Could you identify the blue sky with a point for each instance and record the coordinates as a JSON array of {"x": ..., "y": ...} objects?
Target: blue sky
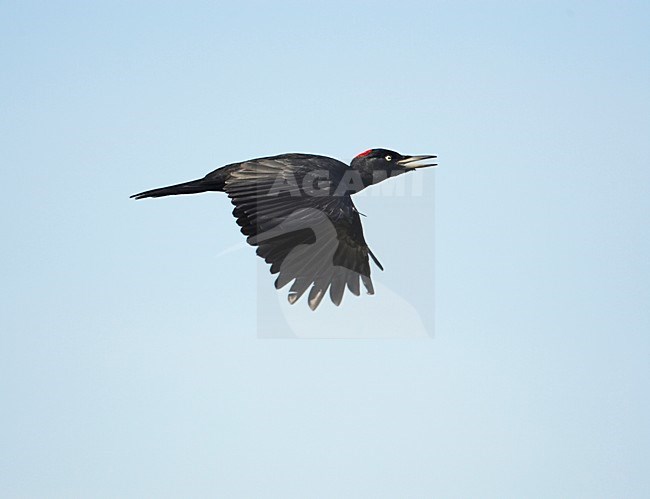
[{"x": 130, "y": 357}]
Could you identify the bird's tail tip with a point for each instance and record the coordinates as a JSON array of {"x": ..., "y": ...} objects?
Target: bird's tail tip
[{"x": 193, "y": 187}]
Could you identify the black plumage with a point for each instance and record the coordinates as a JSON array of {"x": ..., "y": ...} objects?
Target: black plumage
[{"x": 297, "y": 209}]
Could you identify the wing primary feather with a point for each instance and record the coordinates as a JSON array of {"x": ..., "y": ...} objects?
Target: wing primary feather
[
  {"x": 368, "y": 284},
  {"x": 298, "y": 288},
  {"x": 337, "y": 287},
  {"x": 315, "y": 297},
  {"x": 318, "y": 291},
  {"x": 353, "y": 283}
]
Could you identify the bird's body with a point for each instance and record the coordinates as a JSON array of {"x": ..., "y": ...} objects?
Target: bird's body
[{"x": 296, "y": 208}]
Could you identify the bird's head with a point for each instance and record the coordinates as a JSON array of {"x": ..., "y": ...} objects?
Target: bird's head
[{"x": 375, "y": 165}]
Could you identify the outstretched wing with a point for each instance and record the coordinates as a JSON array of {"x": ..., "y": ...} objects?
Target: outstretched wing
[{"x": 287, "y": 208}]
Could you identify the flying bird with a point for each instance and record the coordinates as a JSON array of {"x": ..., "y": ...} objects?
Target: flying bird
[{"x": 297, "y": 209}]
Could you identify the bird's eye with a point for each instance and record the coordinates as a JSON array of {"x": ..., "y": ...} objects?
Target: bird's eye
[{"x": 388, "y": 158}]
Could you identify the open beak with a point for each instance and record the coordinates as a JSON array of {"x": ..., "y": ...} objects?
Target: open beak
[{"x": 413, "y": 162}]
